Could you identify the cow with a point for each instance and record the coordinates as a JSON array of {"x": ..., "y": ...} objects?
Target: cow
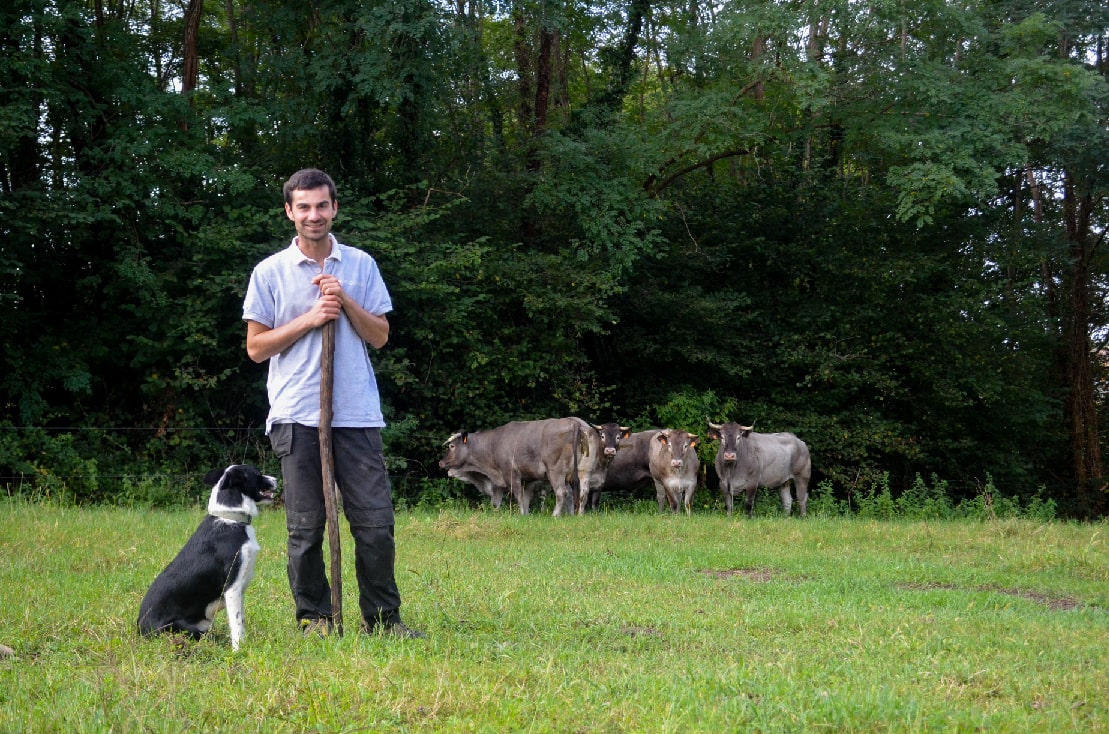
[
  {"x": 629, "y": 470},
  {"x": 747, "y": 460},
  {"x": 612, "y": 436},
  {"x": 672, "y": 460},
  {"x": 492, "y": 487},
  {"x": 563, "y": 451}
]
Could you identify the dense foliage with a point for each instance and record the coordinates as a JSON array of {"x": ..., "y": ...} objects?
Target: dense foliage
[{"x": 879, "y": 225}]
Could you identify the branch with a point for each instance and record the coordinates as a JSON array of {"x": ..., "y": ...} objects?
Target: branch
[{"x": 654, "y": 189}]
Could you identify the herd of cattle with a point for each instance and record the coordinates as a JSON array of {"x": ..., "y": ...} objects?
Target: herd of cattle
[{"x": 581, "y": 460}]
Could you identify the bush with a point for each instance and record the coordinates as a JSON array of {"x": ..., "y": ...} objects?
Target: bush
[
  {"x": 48, "y": 467},
  {"x": 823, "y": 502},
  {"x": 922, "y": 502},
  {"x": 876, "y": 502}
]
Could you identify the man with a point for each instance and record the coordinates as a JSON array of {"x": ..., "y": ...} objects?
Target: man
[{"x": 291, "y": 295}]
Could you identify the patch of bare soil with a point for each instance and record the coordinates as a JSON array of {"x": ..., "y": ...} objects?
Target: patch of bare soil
[
  {"x": 1058, "y": 603},
  {"x": 760, "y": 575},
  {"x": 641, "y": 632}
]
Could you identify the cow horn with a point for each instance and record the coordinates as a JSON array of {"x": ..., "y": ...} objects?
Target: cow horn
[
  {"x": 714, "y": 426},
  {"x": 454, "y": 437},
  {"x": 747, "y": 428}
]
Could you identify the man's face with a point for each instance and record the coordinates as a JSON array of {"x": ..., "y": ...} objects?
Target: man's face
[{"x": 312, "y": 211}]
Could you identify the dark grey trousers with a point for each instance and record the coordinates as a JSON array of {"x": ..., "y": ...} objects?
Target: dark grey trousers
[{"x": 367, "y": 498}]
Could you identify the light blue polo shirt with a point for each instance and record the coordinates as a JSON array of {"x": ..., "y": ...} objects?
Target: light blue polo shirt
[{"x": 280, "y": 290}]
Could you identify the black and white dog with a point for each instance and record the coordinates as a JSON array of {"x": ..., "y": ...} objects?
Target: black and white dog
[{"x": 213, "y": 569}]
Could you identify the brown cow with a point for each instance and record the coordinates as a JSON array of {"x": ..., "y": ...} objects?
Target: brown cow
[
  {"x": 672, "y": 458},
  {"x": 563, "y": 451}
]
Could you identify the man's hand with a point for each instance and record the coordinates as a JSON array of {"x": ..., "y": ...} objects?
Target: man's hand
[
  {"x": 331, "y": 300},
  {"x": 329, "y": 286},
  {"x": 371, "y": 328}
]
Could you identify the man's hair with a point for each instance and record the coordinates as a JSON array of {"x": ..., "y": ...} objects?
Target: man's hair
[{"x": 307, "y": 179}]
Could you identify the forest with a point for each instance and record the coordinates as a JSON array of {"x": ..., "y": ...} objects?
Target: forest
[{"x": 879, "y": 225}]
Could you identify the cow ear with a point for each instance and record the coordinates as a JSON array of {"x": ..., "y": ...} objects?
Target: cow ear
[
  {"x": 465, "y": 436},
  {"x": 694, "y": 441},
  {"x": 625, "y": 433}
]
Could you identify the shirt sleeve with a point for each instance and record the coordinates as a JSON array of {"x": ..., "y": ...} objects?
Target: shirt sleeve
[
  {"x": 376, "y": 300},
  {"x": 259, "y": 302}
]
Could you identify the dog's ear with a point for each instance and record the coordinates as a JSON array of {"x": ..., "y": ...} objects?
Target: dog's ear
[{"x": 212, "y": 477}]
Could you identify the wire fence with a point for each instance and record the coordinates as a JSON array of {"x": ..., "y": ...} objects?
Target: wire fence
[{"x": 248, "y": 445}]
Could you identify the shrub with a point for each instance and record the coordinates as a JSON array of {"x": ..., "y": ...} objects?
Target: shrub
[
  {"x": 823, "y": 501},
  {"x": 922, "y": 502},
  {"x": 876, "y": 502}
]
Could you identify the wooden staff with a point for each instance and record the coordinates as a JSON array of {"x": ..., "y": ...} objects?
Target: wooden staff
[{"x": 327, "y": 462}]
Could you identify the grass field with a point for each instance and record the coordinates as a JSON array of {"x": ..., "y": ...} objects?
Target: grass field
[{"x": 618, "y": 622}]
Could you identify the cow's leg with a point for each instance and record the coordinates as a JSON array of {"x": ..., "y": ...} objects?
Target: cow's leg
[
  {"x": 751, "y": 501},
  {"x": 660, "y": 495},
  {"x": 521, "y": 493},
  {"x": 802, "y": 488},
  {"x": 564, "y": 499},
  {"x": 674, "y": 496},
  {"x": 787, "y": 501},
  {"x": 726, "y": 490},
  {"x": 581, "y": 497},
  {"x": 689, "y": 498}
]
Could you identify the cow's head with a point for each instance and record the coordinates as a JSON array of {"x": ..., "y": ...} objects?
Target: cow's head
[
  {"x": 456, "y": 449},
  {"x": 611, "y": 435},
  {"x": 679, "y": 443},
  {"x": 729, "y": 435}
]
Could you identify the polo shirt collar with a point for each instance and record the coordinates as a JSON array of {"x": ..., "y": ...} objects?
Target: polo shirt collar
[{"x": 295, "y": 253}]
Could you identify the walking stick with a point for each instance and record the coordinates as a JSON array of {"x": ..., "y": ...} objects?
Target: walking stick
[{"x": 327, "y": 462}]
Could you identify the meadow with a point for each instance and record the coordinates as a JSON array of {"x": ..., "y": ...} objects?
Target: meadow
[{"x": 614, "y": 622}]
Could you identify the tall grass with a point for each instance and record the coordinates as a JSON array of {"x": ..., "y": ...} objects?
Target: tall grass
[{"x": 616, "y": 622}]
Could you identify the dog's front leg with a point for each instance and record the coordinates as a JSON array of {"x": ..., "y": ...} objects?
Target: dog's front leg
[{"x": 234, "y": 599}]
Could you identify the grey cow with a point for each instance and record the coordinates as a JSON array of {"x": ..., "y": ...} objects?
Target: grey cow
[
  {"x": 565, "y": 452},
  {"x": 612, "y": 437},
  {"x": 747, "y": 460},
  {"x": 672, "y": 458},
  {"x": 629, "y": 470}
]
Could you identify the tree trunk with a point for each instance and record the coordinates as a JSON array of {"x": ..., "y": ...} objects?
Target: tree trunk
[
  {"x": 190, "y": 73},
  {"x": 542, "y": 84},
  {"x": 1081, "y": 404}
]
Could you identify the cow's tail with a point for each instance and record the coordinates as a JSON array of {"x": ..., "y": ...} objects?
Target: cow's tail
[{"x": 575, "y": 479}]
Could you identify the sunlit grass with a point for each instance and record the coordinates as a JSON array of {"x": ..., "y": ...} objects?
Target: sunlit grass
[{"x": 617, "y": 622}]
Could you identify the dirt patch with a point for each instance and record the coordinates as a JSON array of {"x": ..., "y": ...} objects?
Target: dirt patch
[
  {"x": 1058, "y": 603},
  {"x": 641, "y": 632},
  {"x": 759, "y": 575}
]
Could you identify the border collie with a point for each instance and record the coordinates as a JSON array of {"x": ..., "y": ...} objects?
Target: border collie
[{"x": 213, "y": 569}]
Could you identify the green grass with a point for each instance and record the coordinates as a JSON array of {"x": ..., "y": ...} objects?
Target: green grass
[{"x": 619, "y": 622}]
